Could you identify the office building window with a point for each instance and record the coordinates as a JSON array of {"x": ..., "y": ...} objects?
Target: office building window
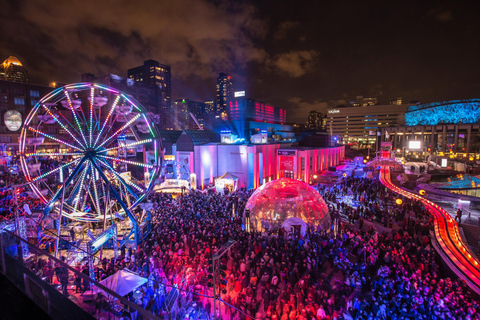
[
  {"x": 19, "y": 101},
  {"x": 34, "y": 94},
  {"x": 33, "y": 102},
  {"x": 18, "y": 90}
]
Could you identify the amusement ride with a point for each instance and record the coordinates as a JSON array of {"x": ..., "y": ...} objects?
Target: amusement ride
[{"x": 91, "y": 154}]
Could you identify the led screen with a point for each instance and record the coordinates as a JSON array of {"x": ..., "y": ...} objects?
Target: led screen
[{"x": 414, "y": 144}]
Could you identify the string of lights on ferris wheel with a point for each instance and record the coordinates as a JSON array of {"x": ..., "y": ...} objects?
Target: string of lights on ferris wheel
[{"x": 120, "y": 178}]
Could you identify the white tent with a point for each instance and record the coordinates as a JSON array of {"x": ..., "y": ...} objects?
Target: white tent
[
  {"x": 228, "y": 180},
  {"x": 122, "y": 282},
  {"x": 289, "y": 224}
]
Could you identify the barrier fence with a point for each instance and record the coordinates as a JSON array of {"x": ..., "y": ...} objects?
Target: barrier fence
[{"x": 48, "y": 290}]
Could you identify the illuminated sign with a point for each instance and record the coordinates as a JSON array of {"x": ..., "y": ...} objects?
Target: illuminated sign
[
  {"x": 287, "y": 163},
  {"x": 414, "y": 145},
  {"x": 169, "y": 157},
  {"x": 286, "y": 152},
  {"x": 444, "y": 163},
  {"x": 239, "y": 94},
  {"x": 334, "y": 111}
]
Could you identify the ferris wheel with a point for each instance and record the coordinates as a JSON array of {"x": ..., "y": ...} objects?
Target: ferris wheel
[{"x": 93, "y": 147}]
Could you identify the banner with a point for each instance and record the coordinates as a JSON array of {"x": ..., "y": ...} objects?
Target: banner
[
  {"x": 184, "y": 159},
  {"x": 287, "y": 163}
]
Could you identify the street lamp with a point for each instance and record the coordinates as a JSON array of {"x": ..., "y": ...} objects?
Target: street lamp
[{"x": 216, "y": 275}]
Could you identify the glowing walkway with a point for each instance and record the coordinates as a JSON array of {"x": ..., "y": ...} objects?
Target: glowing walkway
[{"x": 450, "y": 245}]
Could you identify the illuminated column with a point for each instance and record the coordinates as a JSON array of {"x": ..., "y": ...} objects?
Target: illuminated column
[
  {"x": 432, "y": 140},
  {"x": 455, "y": 139},
  {"x": 250, "y": 169},
  {"x": 469, "y": 134},
  {"x": 261, "y": 167},
  {"x": 307, "y": 168},
  {"x": 444, "y": 138}
]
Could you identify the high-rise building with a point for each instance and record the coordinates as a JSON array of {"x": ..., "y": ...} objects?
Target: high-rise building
[
  {"x": 12, "y": 70},
  {"x": 360, "y": 126},
  {"x": 145, "y": 94},
  {"x": 183, "y": 119},
  {"x": 316, "y": 120},
  {"x": 156, "y": 74},
  {"x": 361, "y": 101},
  {"x": 209, "y": 106},
  {"x": 397, "y": 101},
  {"x": 224, "y": 92}
]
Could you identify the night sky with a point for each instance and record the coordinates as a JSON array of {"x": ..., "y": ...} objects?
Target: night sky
[{"x": 299, "y": 55}]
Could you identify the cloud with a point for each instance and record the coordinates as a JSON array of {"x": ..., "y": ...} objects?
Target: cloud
[
  {"x": 284, "y": 28},
  {"x": 299, "y": 108},
  {"x": 196, "y": 38},
  {"x": 294, "y": 63},
  {"x": 444, "y": 16}
]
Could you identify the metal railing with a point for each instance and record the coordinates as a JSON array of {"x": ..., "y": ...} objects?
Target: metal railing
[{"x": 46, "y": 288}]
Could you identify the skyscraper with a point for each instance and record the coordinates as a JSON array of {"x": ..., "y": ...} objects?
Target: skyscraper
[
  {"x": 224, "y": 92},
  {"x": 12, "y": 70},
  {"x": 159, "y": 75},
  {"x": 316, "y": 120}
]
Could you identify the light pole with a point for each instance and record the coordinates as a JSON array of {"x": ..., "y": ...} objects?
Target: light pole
[
  {"x": 216, "y": 275},
  {"x": 60, "y": 220}
]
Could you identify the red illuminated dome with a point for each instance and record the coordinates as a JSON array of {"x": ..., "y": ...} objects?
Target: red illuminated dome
[{"x": 287, "y": 202}]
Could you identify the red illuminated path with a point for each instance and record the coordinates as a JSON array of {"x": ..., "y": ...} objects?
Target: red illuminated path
[{"x": 453, "y": 250}]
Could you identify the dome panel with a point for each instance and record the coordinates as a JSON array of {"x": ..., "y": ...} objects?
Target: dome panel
[{"x": 282, "y": 199}]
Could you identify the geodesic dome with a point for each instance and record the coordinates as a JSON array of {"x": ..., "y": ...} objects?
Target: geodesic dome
[{"x": 274, "y": 203}]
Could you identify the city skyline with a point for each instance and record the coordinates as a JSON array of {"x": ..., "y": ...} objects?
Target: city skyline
[{"x": 301, "y": 57}]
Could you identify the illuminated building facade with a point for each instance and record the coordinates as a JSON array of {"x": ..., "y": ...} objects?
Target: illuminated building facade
[
  {"x": 156, "y": 74},
  {"x": 446, "y": 128},
  {"x": 255, "y": 165},
  {"x": 248, "y": 117},
  {"x": 12, "y": 70},
  {"x": 224, "y": 92},
  {"x": 251, "y": 110},
  {"x": 360, "y": 125}
]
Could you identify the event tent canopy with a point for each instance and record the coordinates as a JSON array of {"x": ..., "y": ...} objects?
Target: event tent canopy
[
  {"x": 227, "y": 180},
  {"x": 122, "y": 282},
  {"x": 229, "y": 176}
]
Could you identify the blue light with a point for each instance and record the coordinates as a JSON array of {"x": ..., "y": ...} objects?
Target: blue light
[{"x": 454, "y": 111}]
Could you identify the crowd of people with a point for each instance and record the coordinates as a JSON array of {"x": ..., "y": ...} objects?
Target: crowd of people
[{"x": 362, "y": 273}]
